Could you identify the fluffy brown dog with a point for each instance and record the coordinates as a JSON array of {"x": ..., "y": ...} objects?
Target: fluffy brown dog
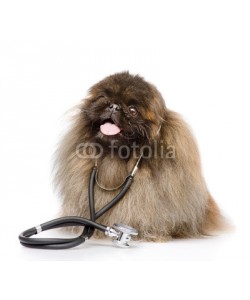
[{"x": 122, "y": 117}]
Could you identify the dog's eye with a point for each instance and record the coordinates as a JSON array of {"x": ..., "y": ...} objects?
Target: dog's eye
[
  {"x": 101, "y": 97},
  {"x": 133, "y": 111}
]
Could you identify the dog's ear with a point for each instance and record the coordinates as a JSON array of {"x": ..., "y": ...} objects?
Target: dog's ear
[{"x": 157, "y": 112}]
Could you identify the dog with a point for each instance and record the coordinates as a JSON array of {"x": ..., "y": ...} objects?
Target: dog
[{"x": 123, "y": 118}]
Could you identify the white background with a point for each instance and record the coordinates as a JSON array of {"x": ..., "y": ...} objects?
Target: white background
[{"x": 197, "y": 54}]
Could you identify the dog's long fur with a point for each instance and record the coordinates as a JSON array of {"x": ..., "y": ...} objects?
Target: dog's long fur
[{"x": 168, "y": 197}]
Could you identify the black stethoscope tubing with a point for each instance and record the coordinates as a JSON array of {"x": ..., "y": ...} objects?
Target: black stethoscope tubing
[{"x": 89, "y": 224}]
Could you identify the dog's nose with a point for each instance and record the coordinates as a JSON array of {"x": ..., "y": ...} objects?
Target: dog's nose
[{"x": 114, "y": 107}]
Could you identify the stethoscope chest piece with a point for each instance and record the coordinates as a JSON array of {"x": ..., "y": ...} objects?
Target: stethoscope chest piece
[{"x": 121, "y": 234}]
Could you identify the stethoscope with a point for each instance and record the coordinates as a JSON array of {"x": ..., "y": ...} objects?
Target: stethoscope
[{"x": 121, "y": 234}]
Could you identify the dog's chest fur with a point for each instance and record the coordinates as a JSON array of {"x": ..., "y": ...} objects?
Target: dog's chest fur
[{"x": 148, "y": 205}]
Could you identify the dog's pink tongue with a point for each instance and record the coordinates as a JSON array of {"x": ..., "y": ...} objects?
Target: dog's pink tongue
[{"x": 109, "y": 129}]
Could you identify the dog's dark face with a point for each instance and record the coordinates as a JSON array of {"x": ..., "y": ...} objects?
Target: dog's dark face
[{"x": 123, "y": 109}]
